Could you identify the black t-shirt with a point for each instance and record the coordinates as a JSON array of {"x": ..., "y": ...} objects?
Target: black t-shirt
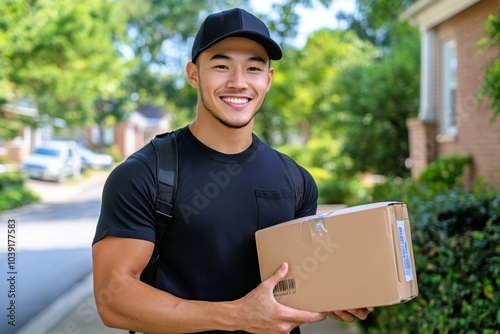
[{"x": 221, "y": 201}]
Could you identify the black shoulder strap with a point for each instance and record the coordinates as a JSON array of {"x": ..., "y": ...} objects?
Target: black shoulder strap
[
  {"x": 166, "y": 167},
  {"x": 165, "y": 146},
  {"x": 296, "y": 178}
]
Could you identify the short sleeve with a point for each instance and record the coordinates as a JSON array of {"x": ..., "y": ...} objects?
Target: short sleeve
[
  {"x": 128, "y": 200},
  {"x": 309, "y": 203}
]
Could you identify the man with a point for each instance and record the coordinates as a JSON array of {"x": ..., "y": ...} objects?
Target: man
[{"x": 230, "y": 184}]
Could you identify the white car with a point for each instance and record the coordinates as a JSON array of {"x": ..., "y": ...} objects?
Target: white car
[
  {"x": 93, "y": 160},
  {"x": 53, "y": 161}
]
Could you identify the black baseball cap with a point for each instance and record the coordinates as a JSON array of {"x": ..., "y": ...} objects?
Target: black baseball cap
[{"x": 234, "y": 23}]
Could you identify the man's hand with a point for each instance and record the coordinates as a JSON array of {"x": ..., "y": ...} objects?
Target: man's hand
[
  {"x": 263, "y": 314},
  {"x": 350, "y": 315}
]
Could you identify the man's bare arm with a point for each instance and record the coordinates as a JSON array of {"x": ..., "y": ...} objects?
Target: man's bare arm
[{"x": 123, "y": 301}]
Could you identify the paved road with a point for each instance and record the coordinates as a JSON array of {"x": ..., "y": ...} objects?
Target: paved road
[
  {"x": 52, "y": 248},
  {"x": 54, "y": 286}
]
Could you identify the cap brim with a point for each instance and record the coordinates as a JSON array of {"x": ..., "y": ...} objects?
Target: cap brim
[{"x": 273, "y": 49}]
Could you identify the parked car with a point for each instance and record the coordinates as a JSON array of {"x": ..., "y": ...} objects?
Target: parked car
[
  {"x": 53, "y": 161},
  {"x": 93, "y": 160}
]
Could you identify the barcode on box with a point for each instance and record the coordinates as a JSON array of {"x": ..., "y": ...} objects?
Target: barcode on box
[
  {"x": 285, "y": 287},
  {"x": 405, "y": 254}
]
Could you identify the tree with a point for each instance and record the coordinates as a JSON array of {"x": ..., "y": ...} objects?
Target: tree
[
  {"x": 71, "y": 57},
  {"x": 62, "y": 53},
  {"x": 10, "y": 122},
  {"x": 284, "y": 17},
  {"x": 379, "y": 96},
  {"x": 304, "y": 95},
  {"x": 375, "y": 20},
  {"x": 491, "y": 81}
]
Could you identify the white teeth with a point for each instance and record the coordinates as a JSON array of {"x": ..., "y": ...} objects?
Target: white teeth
[{"x": 235, "y": 100}]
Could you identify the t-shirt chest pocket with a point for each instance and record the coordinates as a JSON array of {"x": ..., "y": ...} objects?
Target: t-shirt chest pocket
[{"x": 274, "y": 206}]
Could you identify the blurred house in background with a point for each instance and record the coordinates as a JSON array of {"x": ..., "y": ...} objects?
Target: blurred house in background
[
  {"x": 140, "y": 128},
  {"x": 127, "y": 137},
  {"x": 451, "y": 118},
  {"x": 13, "y": 151}
]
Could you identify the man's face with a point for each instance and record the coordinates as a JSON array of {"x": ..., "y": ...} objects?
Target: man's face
[{"x": 233, "y": 77}]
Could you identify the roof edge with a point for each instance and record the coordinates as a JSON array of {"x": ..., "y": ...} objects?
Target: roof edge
[{"x": 429, "y": 13}]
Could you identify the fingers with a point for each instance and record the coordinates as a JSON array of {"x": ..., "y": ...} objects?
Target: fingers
[
  {"x": 299, "y": 316},
  {"x": 281, "y": 272},
  {"x": 290, "y": 314},
  {"x": 343, "y": 316},
  {"x": 351, "y": 315},
  {"x": 361, "y": 313},
  {"x": 312, "y": 317},
  {"x": 277, "y": 276},
  {"x": 334, "y": 316}
]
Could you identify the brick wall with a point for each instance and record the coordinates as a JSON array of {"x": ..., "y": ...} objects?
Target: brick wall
[
  {"x": 476, "y": 135},
  {"x": 422, "y": 145}
]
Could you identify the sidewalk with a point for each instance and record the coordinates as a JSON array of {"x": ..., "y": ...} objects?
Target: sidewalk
[{"x": 52, "y": 192}]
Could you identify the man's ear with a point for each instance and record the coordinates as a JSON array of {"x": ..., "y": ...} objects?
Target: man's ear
[
  {"x": 192, "y": 74},
  {"x": 270, "y": 78}
]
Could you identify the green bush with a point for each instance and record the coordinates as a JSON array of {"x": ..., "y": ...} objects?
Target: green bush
[
  {"x": 13, "y": 194},
  {"x": 336, "y": 182},
  {"x": 458, "y": 270},
  {"x": 10, "y": 179},
  {"x": 445, "y": 172},
  {"x": 441, "y": 175},
  {"x": 114, "y": 152},
  {"x": 336, "y": 190},
  {"x": 456, "y": 245}
]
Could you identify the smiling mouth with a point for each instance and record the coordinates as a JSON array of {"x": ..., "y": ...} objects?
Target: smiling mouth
[{"x": 236, "y": 100}]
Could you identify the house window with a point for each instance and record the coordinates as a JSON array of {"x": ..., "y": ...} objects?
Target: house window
[{"x": 449, "y": 80}]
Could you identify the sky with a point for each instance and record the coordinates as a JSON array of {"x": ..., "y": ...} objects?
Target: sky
[{"x": 312, "y": 19}]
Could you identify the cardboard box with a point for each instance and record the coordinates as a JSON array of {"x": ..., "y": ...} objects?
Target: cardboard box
[{"x": 351, "y": 258}]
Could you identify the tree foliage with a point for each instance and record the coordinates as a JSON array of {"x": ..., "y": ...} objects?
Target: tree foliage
[
  {"x": 382, "y": 94},
  {"x": 94, "y": 61},
  {"x": 304, "y": 97},
  {"x": 81, "y": 61},
  {"x": 359, "y": 86},
  {"x": 456, "y": 238},
  {"x": 374, "y": 20},
  {"x": 62, "y": 54},
  {"x": 380, "y": 97},
  {"x": 491, "y": 81}
]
